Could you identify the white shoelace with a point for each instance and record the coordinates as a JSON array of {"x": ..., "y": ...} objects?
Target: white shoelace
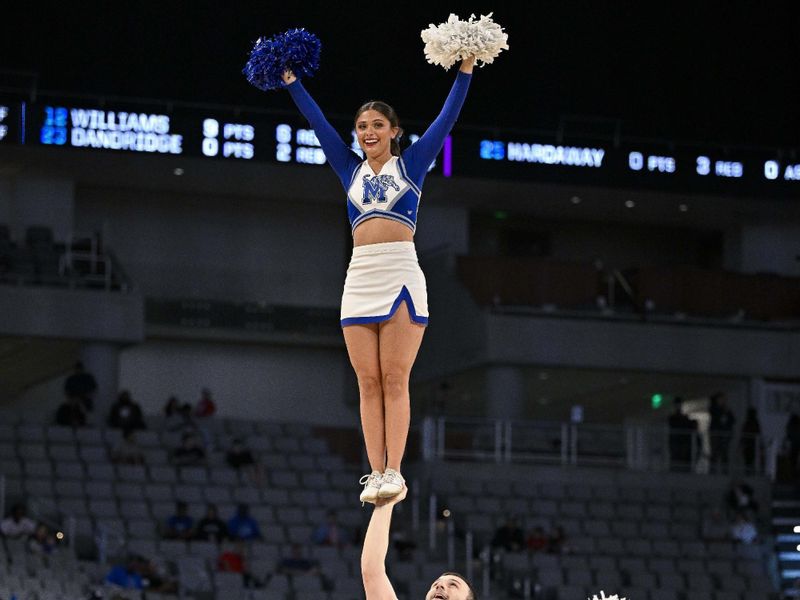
[{"x": 371, "y": 479}]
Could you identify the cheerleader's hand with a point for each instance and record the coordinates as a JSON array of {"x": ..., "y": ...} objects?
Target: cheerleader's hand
[
  {"x": 467, "y": 64},
  {"x": 394, "y": 499},
  {"x": 288, "y": 77}
]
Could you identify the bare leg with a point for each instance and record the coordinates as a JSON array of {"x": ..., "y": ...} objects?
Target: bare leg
[
  {"x": 400, "y": 339},
  {"x": 362, "y": 347}
]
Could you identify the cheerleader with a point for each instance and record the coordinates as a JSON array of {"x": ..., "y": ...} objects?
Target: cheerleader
[{"x": 384, "y": 308}]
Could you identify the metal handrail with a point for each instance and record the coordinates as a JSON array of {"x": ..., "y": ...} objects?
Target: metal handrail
[{"x": 634, "y": 446}]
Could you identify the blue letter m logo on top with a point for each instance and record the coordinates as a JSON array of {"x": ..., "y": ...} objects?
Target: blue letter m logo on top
[{"x": 375, "y": 188}]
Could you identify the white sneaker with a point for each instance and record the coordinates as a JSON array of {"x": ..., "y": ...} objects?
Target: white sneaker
[
  {"x": 372, "y": 483},
  {"x": 391, "y": 485}
]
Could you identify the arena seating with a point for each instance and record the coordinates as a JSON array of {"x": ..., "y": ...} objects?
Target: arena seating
[
  {"x": 706, "y": 293},
  {"x": 40, "y": 259},
  {"x": 640, "y": 541}
]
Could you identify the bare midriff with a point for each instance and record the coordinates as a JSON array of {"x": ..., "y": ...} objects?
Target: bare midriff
[{"x": 378, "y": 230}]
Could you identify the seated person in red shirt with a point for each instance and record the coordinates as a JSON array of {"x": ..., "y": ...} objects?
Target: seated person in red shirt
[
  {"x": 537, "y": 540},
  {"x": 232, "y": 560},
  {"x": 205, "y": 406}
]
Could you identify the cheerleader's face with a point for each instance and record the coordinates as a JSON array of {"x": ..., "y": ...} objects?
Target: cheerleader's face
[
  {"x": 448, "y": 587},
  {"x": 375, "y": 133}
]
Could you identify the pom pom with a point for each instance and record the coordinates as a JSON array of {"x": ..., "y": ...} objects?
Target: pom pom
[
  {"x": 296, "y": 50},
  {"x": 455, "y": 40}
]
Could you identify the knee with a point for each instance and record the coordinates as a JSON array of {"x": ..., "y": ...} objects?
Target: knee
[
  {"x": 369, "y": 385},
  {"x": 394, "y": 384}
]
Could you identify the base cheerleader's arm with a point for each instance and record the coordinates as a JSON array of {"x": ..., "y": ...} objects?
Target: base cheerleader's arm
[
  {"x": 373, "y": 555},
  {"x": 281, "y": 61},
  {"x": 470, "y": 42}
]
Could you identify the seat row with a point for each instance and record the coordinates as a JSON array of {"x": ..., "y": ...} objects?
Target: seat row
[
  {"x": 331, "y": 468},
  {"x": 568, "y": 507},
  {"x": 147, "y": 439},
  {"x": 536, "y": 490},
  {"x": 11, "y": 428}
]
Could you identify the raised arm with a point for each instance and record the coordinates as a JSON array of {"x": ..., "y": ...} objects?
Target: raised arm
[
  {"x": 422, "y": 152},
  {"x": 341, "y": 158},
  {"x": 373, "y": 556}
]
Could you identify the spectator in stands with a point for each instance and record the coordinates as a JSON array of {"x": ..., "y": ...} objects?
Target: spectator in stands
[
  {"x": 71, "y": 413},
  {"x": 331, "y": 533},
  {"x": 125, "y": 413},
  {"x": 179, "y": 526},
  {"x": 741, "y": 499},
  {"x": 682, "y": 436},
  {"x": 509, "y": 536},
  {"x": 138, "y": 573},
  {"x": 232, "y": 560},
  {"x": 242, "y": 526},
  {"x": 241, "y": 458},
  {"x": 297, "y": 564},
  {"x": 792, "y": 441},
  {"x": 557, "y": 541},
  {"x": 211, "y": 527},
  {"x": 190, "y": 452},
  {"x": 81, "y": 385},
  {"x": 180, "y": 418},
  {"x": 750, "y": 442},
  {"x": 720, "y": 430},
  {"x": 743, "y": 529},
  {"x": 127, "y": 451},
  {"x": 715, "y": 527},
  {"x": 129, "y": 575},
  {"x": 172, "y": 407},
  {"x": 206, "y": 406},
  {"x": 42, "y": 541},
  {"x": 17, "y": 525},
  {"x": 538, "y": 540}
]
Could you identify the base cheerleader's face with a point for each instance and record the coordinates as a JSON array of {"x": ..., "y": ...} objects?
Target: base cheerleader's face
[
  {"x": 449, "y": 587},
  {"x": 375, "y": 134}
]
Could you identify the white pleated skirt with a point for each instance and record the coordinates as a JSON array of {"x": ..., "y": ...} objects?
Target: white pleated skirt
[{"x": 379, "y": 278}]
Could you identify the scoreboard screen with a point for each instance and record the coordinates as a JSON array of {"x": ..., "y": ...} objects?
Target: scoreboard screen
[
  {"x": 186, "y": 132},
  {"x": 635, "y": 165},
  {"x": 12, "y": 122},
  {"x": 269, "y": 137}
]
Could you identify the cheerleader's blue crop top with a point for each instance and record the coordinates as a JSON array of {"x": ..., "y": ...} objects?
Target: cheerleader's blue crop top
[{"x": 394, "y": 192}]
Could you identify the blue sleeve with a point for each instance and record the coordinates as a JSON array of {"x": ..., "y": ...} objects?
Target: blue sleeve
[
  {"x": 421, "y": 153},
  {"x": 343, "y": 160}
]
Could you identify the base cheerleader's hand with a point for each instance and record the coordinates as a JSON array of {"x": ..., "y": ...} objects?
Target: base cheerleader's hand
[
  {"x": 394, "y": 499},
  {"x": 456, "y": 40}
]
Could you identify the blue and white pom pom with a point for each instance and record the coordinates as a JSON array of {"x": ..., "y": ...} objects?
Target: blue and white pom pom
[
  {"x": 296, "y": 50},
  {"x": 455, "y": 40}
]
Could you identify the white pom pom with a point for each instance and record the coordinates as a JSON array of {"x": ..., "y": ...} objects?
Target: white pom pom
[{"x": 455, "y": 40}]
